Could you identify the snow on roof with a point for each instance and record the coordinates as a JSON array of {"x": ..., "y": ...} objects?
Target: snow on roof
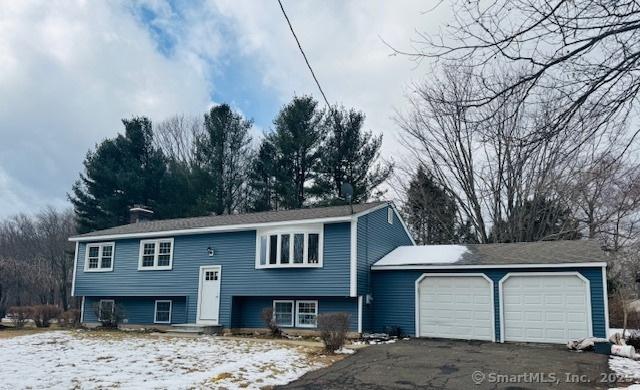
[{"x": 424, "y": 254}]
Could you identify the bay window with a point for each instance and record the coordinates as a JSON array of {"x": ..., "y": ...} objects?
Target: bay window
[{"x": 297, "y": 246}]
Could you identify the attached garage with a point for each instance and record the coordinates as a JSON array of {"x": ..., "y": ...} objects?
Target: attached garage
[
  {"x": 545, "y": 292},
  {"x": 548, "y": 307},
  {"x": 455, "y": 306}
]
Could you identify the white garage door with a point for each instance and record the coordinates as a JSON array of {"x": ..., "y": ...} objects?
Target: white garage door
[
  {"x": 545, "y": 308},
  {"x": 458, "y": 307}
]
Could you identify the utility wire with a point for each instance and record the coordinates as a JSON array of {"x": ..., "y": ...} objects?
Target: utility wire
[{"x": 303, "y": 54}]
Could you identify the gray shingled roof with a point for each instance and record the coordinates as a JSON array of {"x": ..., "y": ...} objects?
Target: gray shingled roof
[
  {"x": 234, "y": 219},
  {"x": 540, "y": 252}
]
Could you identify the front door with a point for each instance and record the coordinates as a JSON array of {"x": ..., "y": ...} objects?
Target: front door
[{"x": 209, "y": 295}]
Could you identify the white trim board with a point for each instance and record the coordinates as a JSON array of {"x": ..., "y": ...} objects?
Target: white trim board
[
  {"x": 453, "y": 266},
  {"x": 353, "y": 260},
  {"x": 449, "y": 274},
  {"x": 360, "y": 314},
  {"x": 227, "y": 228},
  {"x": 75, "y": 267},
  {"x": 525, "y": 274},
  {"x": 605, "y": 295}
]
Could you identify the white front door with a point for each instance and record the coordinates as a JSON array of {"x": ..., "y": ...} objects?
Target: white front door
[
  {"x": 456, "y": 307},
  {"x": 545, "y": 308},
  {"x": 209, "y": 294}
]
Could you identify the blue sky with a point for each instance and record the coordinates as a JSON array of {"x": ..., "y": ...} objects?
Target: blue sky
[{"x": 70, "y": 71}]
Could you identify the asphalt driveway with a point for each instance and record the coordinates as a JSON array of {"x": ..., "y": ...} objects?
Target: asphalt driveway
[{"x": 452, "y": 364}]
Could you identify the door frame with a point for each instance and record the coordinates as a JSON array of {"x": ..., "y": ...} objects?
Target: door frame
[
  {"x": 200, "y": 274},
  {"x": 449, "y": 274},
  {"x": 525, "y": 274}
]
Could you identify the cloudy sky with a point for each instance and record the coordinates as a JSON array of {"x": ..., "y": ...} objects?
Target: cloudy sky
[{"x": 70, "y": 70}]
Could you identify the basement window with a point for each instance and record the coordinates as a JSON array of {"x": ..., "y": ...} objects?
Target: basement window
[{"x": 162, "y": 312}]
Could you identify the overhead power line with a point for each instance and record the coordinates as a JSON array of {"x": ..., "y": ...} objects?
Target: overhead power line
[{"x": 303, "y": 54}]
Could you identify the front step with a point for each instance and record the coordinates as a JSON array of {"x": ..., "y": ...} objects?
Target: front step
[{"x": 196, "y": 329}]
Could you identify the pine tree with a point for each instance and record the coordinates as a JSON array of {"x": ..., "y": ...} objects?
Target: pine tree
[
  {"x": 298, "y": 134},
  {"x": 431, "y": 212},
  {"x": 120, "y": 173},
  {"x": 262, "y": 179},
  {"x": 349, "y": 155},
  {"x": 221, "y": 159}
]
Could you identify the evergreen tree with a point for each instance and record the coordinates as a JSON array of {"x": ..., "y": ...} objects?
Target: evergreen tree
[
  {"x": 262, "y": 179},
  {"x": 120, "y": 173},
  {"x": 432, "y": 213},
  {"x": 221, "y": 159},
  {"x": 298, "y": 134},
  {"x": 349, "y": 155},
  {"x": 537, "y": 219}
]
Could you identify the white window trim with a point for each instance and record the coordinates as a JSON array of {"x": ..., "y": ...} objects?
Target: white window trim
[
  {"x": 291, "y": 230},
  {"x": 113, "y": 307},
  {"x": 100, "y": 246},
  {"x": 293, "y": 312},
  {"x": 155, "y": 266},
  {"x": 155, "y": 311},
  {"x": 298, "y": 325}
]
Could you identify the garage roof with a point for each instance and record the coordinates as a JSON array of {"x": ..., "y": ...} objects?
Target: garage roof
[{"x": 541, "y": 253}]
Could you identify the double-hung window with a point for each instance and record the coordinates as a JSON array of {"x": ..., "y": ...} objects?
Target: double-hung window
[
  {"x": 162, "y": 312},
  {"x": 290, "y": 313},
  {"x": 297, "y": 246},
  {"x": 283, "y": 313},
  {"x": 106, "y": 308},
  {"x": 306, "y": 314},
  {"x": 156, "y": 254},
  {"x": 99, "y": 257}
]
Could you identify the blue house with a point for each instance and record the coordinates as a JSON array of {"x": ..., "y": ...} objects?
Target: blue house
[{"x": 224, "y": 270}]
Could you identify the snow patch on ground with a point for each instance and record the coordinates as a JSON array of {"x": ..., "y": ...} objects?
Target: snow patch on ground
[
  {"x": 88, "y": 360},
  {"x": 626, "y": 368},
  {"x": 345, "y": 351},
  {"x": 424, "y": 254}
]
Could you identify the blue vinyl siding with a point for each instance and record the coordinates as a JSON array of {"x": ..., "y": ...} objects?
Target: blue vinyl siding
[
  {"x": 137, "y": 310},
  {"x": 394, "y": 296},
  {"x": 236, "y": 253},
  {"x": 248, "y": 310},
  {"x": 376, "y": 238}
]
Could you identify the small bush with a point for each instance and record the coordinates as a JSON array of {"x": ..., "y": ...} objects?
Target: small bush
[
  {"x": 71, "y": 318},
  {"x": 270, "y": 322},
  {"x": 43, "y": 314},
  {"x": 333, "y": 329},
  {"x": 19, "y": 315},
  {"x": 109, "y": 318}
]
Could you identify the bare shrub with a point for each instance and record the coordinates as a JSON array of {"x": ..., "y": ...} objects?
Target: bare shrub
[
  {"x": 270, "y": 322},
  {"x": 19, "y": 315},
  {"x": 109, "y": 317},
  {"x": 71, "y": 318},
  {"x": 43, "y": 314},
  {"x": 634, "y": 339},
  {"x": 333, "y": 329}
]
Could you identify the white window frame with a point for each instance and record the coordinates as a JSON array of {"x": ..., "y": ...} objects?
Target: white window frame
[
  {"x": 298, "y": 325},
  {"x": 305, "y": 229},
  {"x": 113, "y": 307},
  {"x": 156, "y": 243},
  {"x": 100, "y": 246},
  {"x": 390, "y": 213},
  {"x": 293, "y": 312},
  {"x": 155, "y": 311}
]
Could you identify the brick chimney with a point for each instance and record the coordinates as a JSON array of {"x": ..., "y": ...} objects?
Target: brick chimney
[{"x": 139, "y": 213}]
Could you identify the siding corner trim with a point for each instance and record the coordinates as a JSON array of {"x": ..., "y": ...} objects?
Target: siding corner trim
[{"x": 353, "y": 270}]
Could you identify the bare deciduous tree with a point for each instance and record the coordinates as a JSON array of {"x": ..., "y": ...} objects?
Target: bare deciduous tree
[{"x": 175, "y": 136}]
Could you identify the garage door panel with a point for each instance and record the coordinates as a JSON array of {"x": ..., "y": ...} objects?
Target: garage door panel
[
  {"x": 456, "y": 307},
  {"x": 557, "y": 311}
]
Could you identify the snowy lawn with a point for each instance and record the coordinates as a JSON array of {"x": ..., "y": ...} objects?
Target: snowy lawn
[{"x": 87, "y": 360}]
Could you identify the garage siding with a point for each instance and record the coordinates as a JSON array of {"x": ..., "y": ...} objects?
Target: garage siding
[{"x": 394, "y": 296}]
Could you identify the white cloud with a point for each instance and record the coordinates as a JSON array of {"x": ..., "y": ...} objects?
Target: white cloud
[{"x": 69, "y": 71}]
